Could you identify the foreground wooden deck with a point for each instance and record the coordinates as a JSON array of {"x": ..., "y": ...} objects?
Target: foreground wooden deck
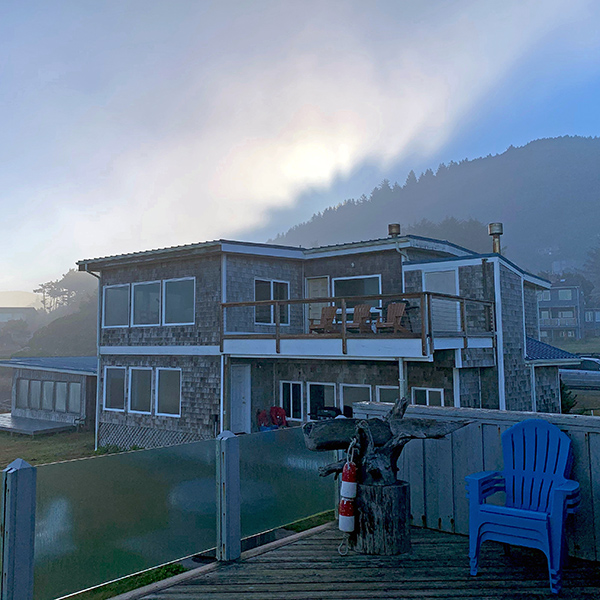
[{"x": 437, "y": 567}]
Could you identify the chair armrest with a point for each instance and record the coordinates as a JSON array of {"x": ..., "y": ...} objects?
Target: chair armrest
[
  {"x": 484, "y": 484},
  {"x": 567, "y": 495}
]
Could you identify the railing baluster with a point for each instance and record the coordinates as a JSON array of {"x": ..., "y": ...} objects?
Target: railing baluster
[
  {"x": 344, "y": 337},
  {"x": 463, "y": 322}
]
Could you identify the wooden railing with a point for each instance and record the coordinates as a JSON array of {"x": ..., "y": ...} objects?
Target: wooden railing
[{"x": 428, "y": 315}]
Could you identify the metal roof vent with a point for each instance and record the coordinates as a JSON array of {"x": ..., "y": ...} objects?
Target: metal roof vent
[
  {"x": 394, "y": 229},
  {"x": 495, "y": 230}
]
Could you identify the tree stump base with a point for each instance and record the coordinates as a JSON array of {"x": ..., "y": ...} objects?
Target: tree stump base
[{"x": 382, "y": 521}]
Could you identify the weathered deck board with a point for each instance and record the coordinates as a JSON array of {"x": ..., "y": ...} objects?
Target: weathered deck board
[{"x": 437, "y": 567}]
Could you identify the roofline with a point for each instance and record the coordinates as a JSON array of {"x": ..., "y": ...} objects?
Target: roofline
[
  {"x": 7, "y": 365},
  {"x": 549, "y": 362}
]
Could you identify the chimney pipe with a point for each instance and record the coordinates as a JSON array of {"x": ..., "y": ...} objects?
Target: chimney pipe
[
  {"x": 394, "y": 229},
  {"x": 495, "y": 230}
]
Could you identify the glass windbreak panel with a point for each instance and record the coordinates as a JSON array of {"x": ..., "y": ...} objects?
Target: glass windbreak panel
[
  {"x": 169, "y": 392},
  {"x": 360, "y": 286},
  {"x": 435, "y": 397},
  {"x": 179, "y": 301},
  {"x": 281, "y": 292},
  {"x": 35, "y": 393},
  {"x": 102, "y": 518},
  {"x": 420, "y": 397},
  {"x": 388, "y": 394},
  {"x": 146, "y": 303},
  {"x": 262, "y": 291},
  {"x": 140, "y": 390},
  {"x": 48, "y": 395},
  {"x": 116, "y": 306},
  {"x": 22, "y": 393},
  {"x": 114, "y": 393},
  {"x": 61, "y": 396},
  {"x": 280, "y": 482},
  {"x": 74, "y": 398}
]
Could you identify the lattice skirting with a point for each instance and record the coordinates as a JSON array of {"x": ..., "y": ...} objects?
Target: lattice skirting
[{"x": 126, "y": 436}]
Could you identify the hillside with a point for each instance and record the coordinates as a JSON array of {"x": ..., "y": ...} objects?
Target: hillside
[{"x": 546, "y": 193}]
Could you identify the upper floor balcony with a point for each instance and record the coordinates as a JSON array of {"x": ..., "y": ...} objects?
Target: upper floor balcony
[
  {"x": 559, "y": 322},
  {"x": 375, "y": 326}
]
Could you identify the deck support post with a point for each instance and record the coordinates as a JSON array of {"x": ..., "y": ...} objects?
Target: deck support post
[
  {"x": 228, "y": 497},
  {"x": 17, "y": 528}
]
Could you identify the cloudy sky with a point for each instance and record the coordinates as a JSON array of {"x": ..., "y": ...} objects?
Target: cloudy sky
[{"x": 134, "y": 124}]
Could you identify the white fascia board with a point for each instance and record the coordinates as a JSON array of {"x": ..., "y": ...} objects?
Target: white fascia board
[
  {"x": 52, "y": 370},
  {"x": 262, "y": 251},
  {"x": 446, "y": 264},
  {"x": 552, "y": 363},
  {"x": 358, "y": 249},
  {"x": 159, "y": 350}
]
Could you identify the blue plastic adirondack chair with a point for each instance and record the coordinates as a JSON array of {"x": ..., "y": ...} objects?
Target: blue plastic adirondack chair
[{"x": 537, "y": 461}]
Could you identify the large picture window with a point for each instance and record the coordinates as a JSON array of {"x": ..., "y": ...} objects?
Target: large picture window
[
  {"x": 179, "y": 295},
  {"x": 345, "y": 287},
  {"x": 146, "y": 303},
  {"x": 352, "y": 394},
  {"x": 168, "y": 392},
  {"x": 428, "y": 396},
  {"x": 114, "y": 388},
  {"x": 387, "y": 393},
  {"x": 291, "y": 399},
  {"x": 116, "y": 306},
  {"x": 265, "y": 289},
  {"x": 140, "y": 390}
]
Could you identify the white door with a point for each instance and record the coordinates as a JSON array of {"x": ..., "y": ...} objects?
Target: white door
[
  {"x": 445, "y": 314},
  {"x": 240, "y": 399}
]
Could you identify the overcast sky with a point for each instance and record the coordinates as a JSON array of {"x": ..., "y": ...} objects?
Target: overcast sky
[{"x": 127, "y": 125}]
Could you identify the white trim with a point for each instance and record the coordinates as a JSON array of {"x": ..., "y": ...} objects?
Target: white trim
[
  {"x": 289, "y": 417},
  {"x": 272, "y": 306},
  {"x": 524, "y": 319},
  {"x": 224, "y": 289},
  {"x": 158, "y": 370},
  {"x": 378, "y": 389},
  {"x": 48, "y": 369},
  {"x": 159, "y": 350},
  {"x": 329, "y": 383},
  {"x": 499, "y": 338},
  {"x": 104, "y": 390},
  {"x": 222, "y": 394},
  {"x": 129, "y": 409},
  {"x": 104, "y": 288},
  {"x": 456, "y": 386},
  {"x": 427, "y": 390},
  {"x": 132, "y": 303},
  {"x": 534, "y": 390},
  {"x": 163, "y": 307}
]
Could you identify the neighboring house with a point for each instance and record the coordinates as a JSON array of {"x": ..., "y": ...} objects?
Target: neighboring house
[
  {"x": 591, "y": 323},
  {"x": 18, "y": 313},
  {"x": 561, "y": 313},
  {"x": 58, "y": 389},
  {"x": 198, "y": 338}
]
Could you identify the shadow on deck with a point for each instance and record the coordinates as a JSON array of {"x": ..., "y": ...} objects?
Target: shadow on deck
[{"x": 437, "y": 567}]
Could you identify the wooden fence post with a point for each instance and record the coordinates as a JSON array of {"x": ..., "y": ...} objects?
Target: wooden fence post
[
  {"x": 17, "y": 529},
  {"x": 228, "y": 497}
]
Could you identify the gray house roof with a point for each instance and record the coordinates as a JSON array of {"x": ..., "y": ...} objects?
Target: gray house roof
[
  {"x": 79, "y": 365},
  {"x": 540, "y": 352}
]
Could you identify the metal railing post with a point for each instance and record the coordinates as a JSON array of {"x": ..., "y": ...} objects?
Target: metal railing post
[
  {"x": 17, "y": 530},
  {"x": 228, "y": 497}
]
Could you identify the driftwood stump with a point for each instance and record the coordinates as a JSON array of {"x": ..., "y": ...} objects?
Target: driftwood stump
[{"x": 383, "y": 515}]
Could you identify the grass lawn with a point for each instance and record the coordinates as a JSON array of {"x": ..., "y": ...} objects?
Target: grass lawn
[{"x": 45, "y": 448}]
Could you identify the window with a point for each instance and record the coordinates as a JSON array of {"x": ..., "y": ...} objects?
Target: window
[
  {"x": 140, "y": 390},
  {"x": 428, "y": 396},
  {"x": 544, "y": 334},
  {"x": 545, "y": 295},
  {"x": 61, "y": 396},
  {"x": 116, "y": 306},
  {"x": 114, "y": 388},
  {"x": 22, "y": 393},
  {"x": 179, "y": 298},
  {"x": 589, "y": 316},
  {"x": 570, "y": 333},
  {"x": 565, "y": 314},
  {"x": 544, "y": 314},
  {"x": 74, "y": 404},
  {"x": 168, "y": 392},
  {"x": 387, "y": 393},
  {"x": 565, "y": 294},
  {"x": 146, "y": 303},
  {"x": 48, "y": 395},
  {"x": 345, "y": 287},
  {"x": 271, "y": 290},
  {"x": 598, "y": 316},
  {"x": 290, "y": 399},
  {"x": 352, "y": 394},
  {"x": 321, "y": 396}
]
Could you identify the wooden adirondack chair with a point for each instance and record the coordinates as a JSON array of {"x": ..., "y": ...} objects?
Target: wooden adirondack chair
[
  {"x": 395, "y": 312},
  {"x": 537, "y": 461},
  {"x": 361, "y": 320},
  {"x": 326, "y": 322}
]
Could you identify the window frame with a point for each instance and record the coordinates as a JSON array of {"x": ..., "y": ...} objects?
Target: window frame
[
  {"x": 129, "y": 409},
  {"x": 163, "y": 310},
  {"x": 156, "y": 388},
  {"x": 291, "y": 383},
  {"x": 336, "y": 402},
  {"x": 427, "y": 390},
  {"x": 105, "y": 388},
  {"x": 272, "y": 306},
  {"x": 354, "y": 385},
  {"x": 385, "y": 387},
  {"x": 545, "y": 296},
  {"x": 132, "y": 303},
  {"x": 129, "y": 304}
]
